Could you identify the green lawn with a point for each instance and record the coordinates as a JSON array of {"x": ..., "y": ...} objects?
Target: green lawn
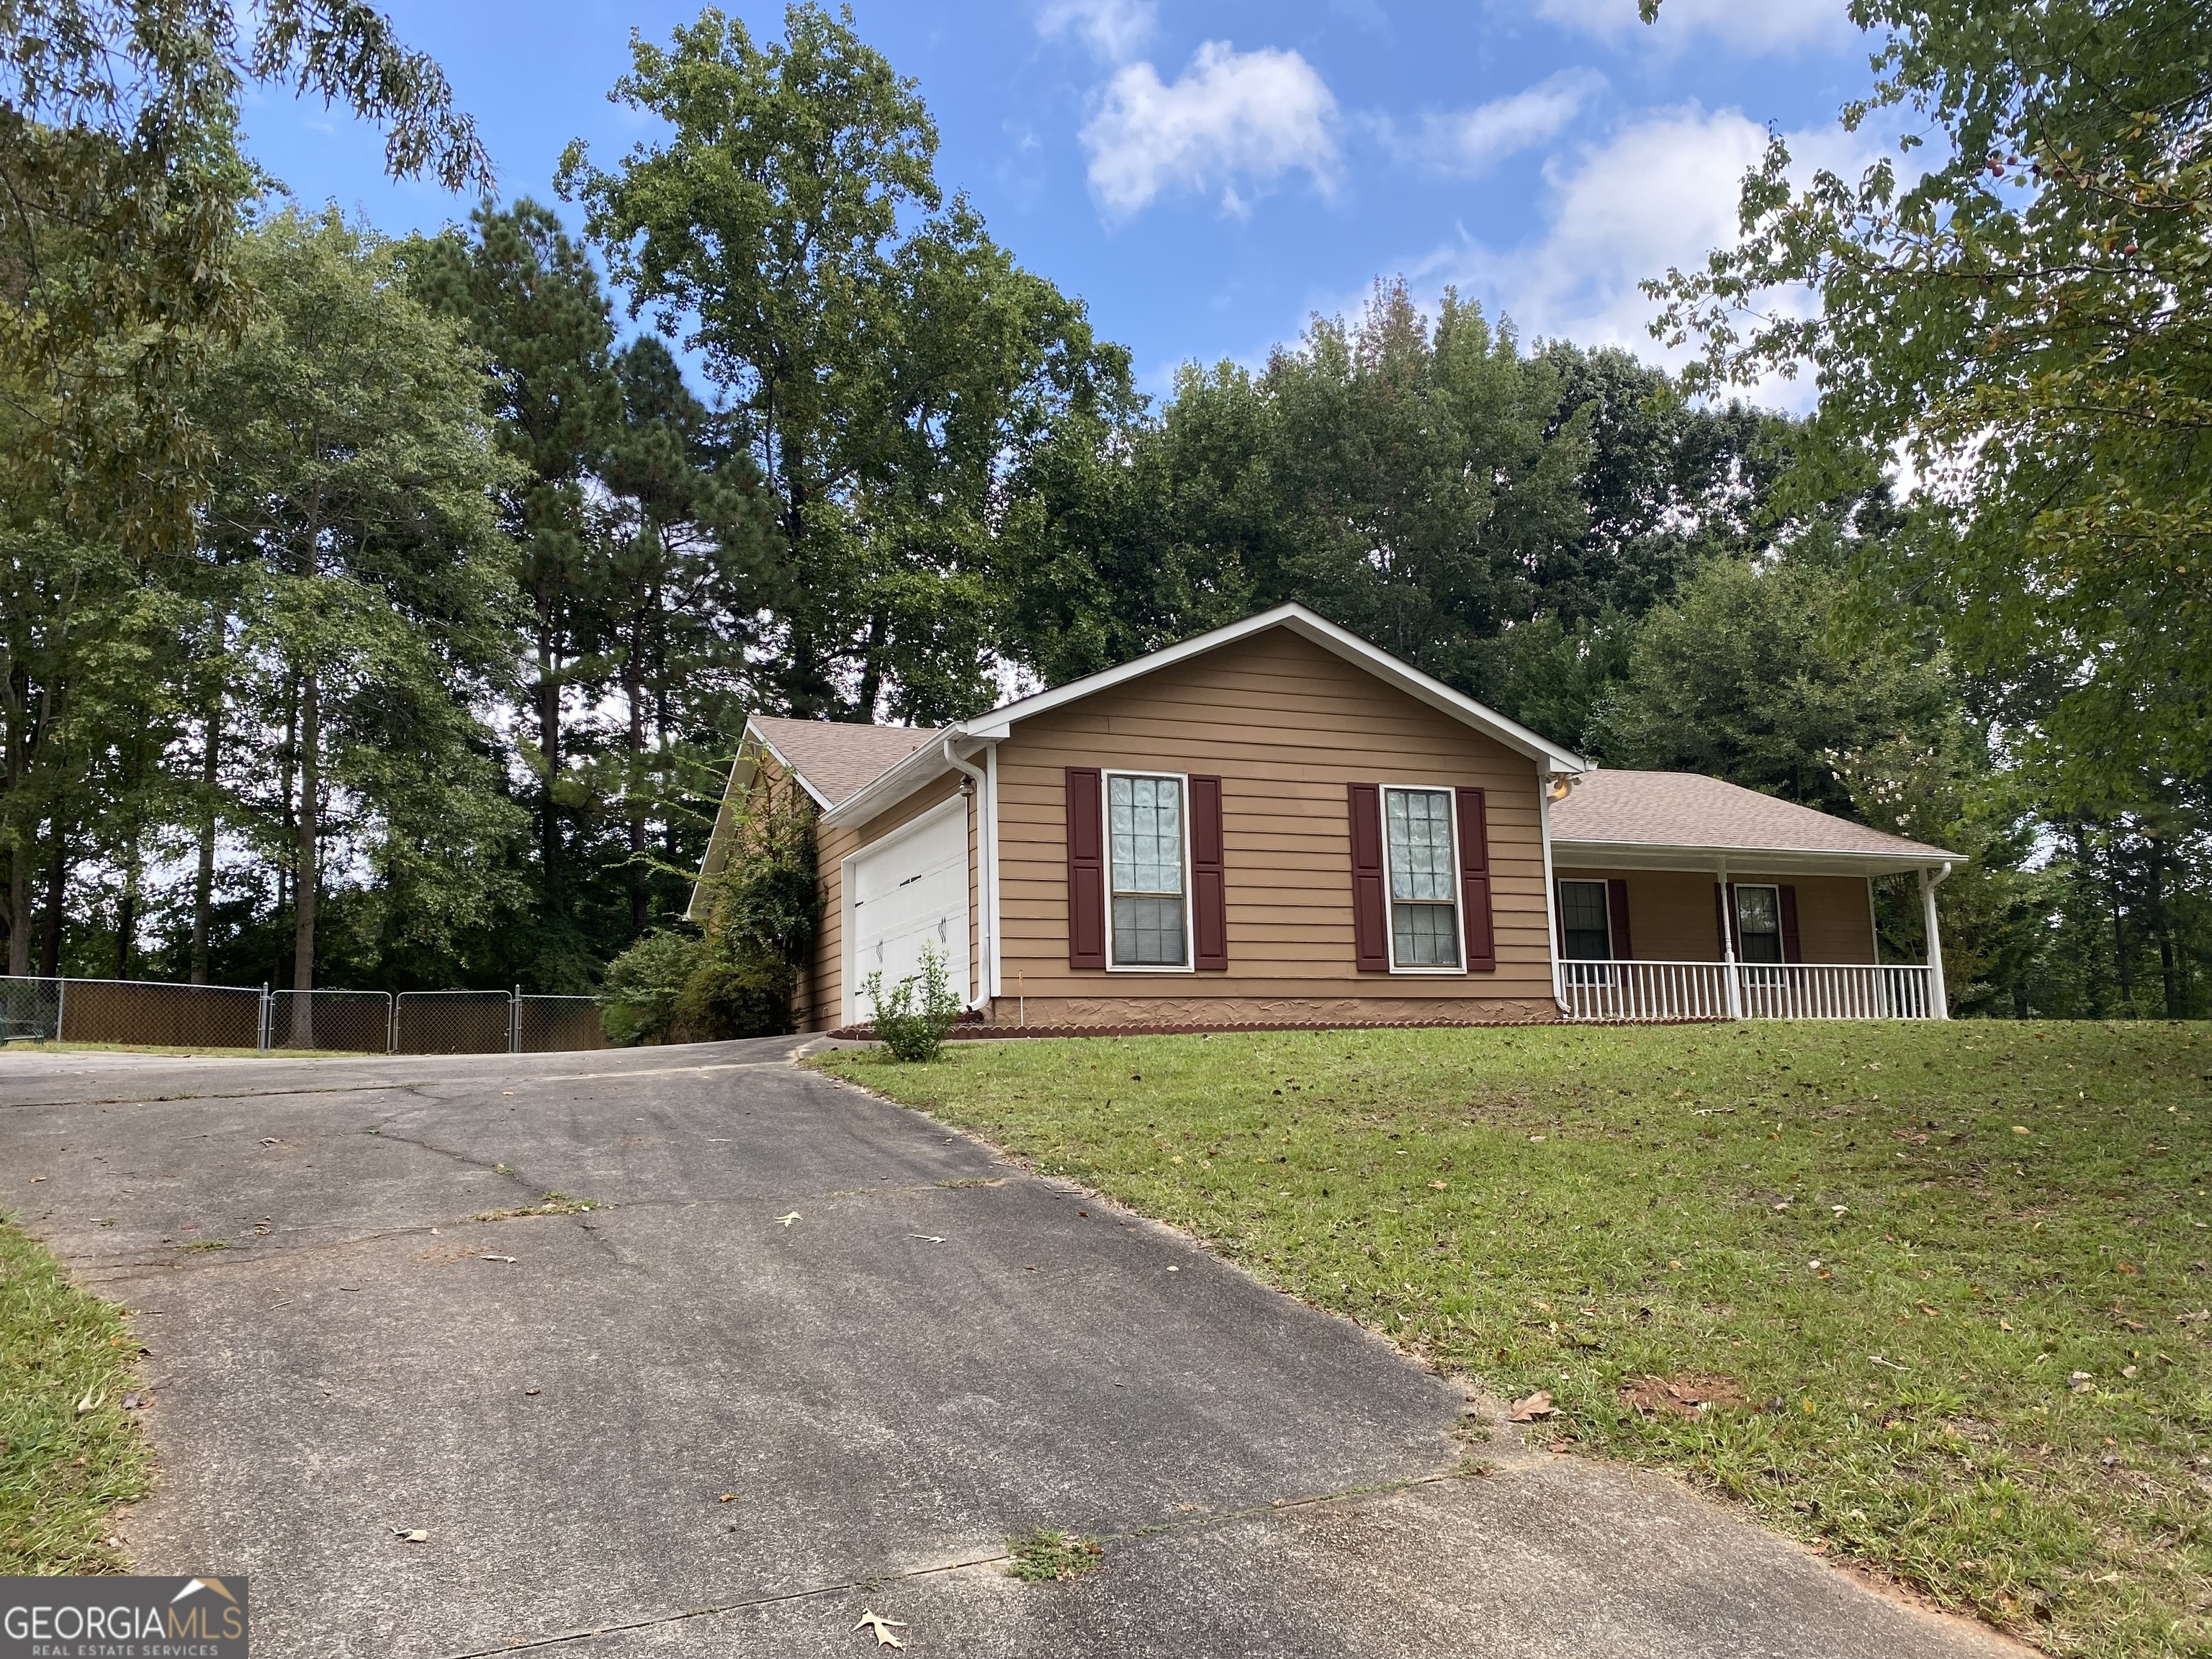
[
  {"x": 1956, "y": 1273},
  {"x": 69, "y": 1453}
]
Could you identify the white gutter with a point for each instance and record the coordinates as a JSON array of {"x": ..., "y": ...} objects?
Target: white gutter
[{"x": 987, "y": 897}]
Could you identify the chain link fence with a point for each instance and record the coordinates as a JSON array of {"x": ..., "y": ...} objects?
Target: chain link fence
[
  {"x": 354, "y": 1021},
  {"x": 545, "y": 1025},
  {"x": 150, "y": 1013},
  {"x": 30, "y": 1009},
  {"x": 454, "y": 1023}
]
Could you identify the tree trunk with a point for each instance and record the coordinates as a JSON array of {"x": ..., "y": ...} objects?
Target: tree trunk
[
  {"x": 204, "y": 878},
  {"x": 126, "y": 912},
  {"x": 2161, "y": 923},
  {"x": 19, "y": 863},
  {"x": 635, "y": 694},
  {"x": 286, "y": 770},
  {"x": 49, "y": 947},
  {"x": 19, "y": 911},
  {"x": 2120, "y": 948},
  {"x": 307, "y": 876},
  {"x": 549, "y": 739},
  {"x": 872, "y": 669}
]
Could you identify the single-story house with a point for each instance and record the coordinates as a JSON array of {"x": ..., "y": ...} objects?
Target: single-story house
[{"x": 1276, "y": 822}]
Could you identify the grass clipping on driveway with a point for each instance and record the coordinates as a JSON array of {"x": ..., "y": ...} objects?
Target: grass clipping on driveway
[
  {"x": 1945, "y": 1287},
  {"x": 69, "y": 1454}
]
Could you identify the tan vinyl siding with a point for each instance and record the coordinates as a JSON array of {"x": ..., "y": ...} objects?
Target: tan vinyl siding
[
  {"x": 1672, "y": 917},
  {"x": 1286, "y": 725},
  {"x": 823, "y": 994}
]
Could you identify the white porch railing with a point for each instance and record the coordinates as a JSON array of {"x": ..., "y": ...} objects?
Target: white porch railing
[{"x": 1648, "y": 991}]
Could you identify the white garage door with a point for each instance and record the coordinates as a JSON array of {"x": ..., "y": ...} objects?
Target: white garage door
[{"x": 911, "y": 889}]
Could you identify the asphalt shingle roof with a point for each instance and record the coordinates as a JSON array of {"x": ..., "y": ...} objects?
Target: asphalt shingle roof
[
  {"x": 1688, "y": 809},
  {"x": 838, "y": 758}
]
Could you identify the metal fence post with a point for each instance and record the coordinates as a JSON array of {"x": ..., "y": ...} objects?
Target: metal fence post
[
  {"x": 514, "y": 1023},
  {"x": 261, "y": 1022},
  {"x": 61, "y": 1005}
]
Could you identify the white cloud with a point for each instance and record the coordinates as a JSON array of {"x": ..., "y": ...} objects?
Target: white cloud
[
  {"x": 1663, "y": 191},
  {"x": 1114, "y": 29},
  {"x": 1467, "y": 142},
  {"x": 1232, "y": 116},
  {"x": 1752, "y": 26}
]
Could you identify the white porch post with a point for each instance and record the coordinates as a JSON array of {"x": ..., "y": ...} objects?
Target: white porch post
[
  {"x": 1939, "y": 1001},
  {"x": 1728, "y": 951}
]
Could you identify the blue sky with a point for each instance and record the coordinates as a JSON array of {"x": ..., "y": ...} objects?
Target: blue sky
[{"x": 1206, "y": 175}]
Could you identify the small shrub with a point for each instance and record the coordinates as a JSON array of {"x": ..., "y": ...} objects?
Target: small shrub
[
  {"x": 637, "y": 1004},
  {"x": 730, "y": 995},
  {"x": 914, "y": 1018}
]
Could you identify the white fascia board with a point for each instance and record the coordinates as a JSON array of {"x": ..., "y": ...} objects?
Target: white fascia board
[
  {"x": 1321, "y": 631},
  {"x": 743, "y": 767},
  {"x": 1703, "y": 860}
]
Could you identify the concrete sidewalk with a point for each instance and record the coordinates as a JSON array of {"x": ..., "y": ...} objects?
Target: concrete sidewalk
[{"x": 816, "y": 1355}]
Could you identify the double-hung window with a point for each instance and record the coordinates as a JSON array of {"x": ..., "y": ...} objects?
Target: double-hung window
[
  {"x": 1758, "y": 925},
  {"x": 1146, "y": 846},
  {"x": 1585, "y": 921},
  {"x": 1424, "y": 862}
]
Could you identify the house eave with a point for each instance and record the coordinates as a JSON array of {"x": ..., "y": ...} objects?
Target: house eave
[{"x": 1706, "y": 859}]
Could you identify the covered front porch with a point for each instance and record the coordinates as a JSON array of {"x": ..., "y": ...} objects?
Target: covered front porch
[{"x": 1667, "y": 907}]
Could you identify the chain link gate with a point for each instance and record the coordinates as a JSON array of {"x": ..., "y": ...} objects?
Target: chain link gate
[
  {"x": 549, "y": 1024},
  {"x": 353, "y": 1022},
  {"x": 454, "y": 1023}
]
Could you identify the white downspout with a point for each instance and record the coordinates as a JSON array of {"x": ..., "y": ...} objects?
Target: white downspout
[
  {"x": 1551, "y": 887},
  {"x": 986, "y": 900},
  {"x": 1938, "y": 998}
]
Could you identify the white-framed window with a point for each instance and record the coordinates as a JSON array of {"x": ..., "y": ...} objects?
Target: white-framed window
[
  {"x": 1420, "y": 848},
  {"x": 1147, "y": 871},
  {"x": 1585, "y": 921},
  {"x": 1758, "y": 924}
]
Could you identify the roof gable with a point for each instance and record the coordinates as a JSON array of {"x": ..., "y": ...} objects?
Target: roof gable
[{"x": 926, "y": 761}]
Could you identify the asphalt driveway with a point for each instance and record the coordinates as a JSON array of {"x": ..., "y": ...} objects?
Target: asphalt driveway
[{"x": 815, "y": 1356}]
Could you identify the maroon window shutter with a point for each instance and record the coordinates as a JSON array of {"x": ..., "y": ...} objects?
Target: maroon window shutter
[
  {"x": 1086, "y": 869},
  {"x": 1370, "y": 921},
  {"x": 1616, "y": 904},
  {"x": 1792, "y": 951},
  {"x": 1475, "y": 882},
  {"x": 1209, "y": 891}
]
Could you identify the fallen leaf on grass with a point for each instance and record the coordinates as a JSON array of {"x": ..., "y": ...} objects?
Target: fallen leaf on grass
[
  {"x": 1534, "y": 1408},
  {"x": 1681, "y": 1396}
]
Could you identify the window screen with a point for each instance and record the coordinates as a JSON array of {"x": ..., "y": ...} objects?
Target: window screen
[
  {"x": 1417, "y": 826},
  {"x": 1758, "y": 925},
  {"x": 1585, "y": 921},
  {"x": 1143, "y": 818}
]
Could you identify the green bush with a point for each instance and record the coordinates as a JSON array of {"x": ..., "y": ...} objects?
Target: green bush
[
  {"x": 727, "y": 996},
  {"x": 914, "y": 1018},
  {"x": 638, "y": 1000}
]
